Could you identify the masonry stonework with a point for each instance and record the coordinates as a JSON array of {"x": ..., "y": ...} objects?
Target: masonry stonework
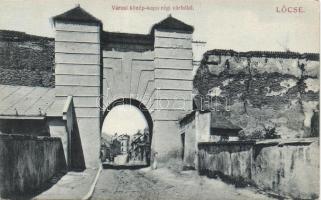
[
  {"x": 100, "y": 69},
  {"x": 173, "y": 84}
]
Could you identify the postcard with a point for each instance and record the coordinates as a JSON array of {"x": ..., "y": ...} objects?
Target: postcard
[{"x": 161, "y": 99}]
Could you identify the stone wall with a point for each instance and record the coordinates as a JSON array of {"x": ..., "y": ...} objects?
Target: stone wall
[
  {"x": 27, "y": 162},
  {"x": 287, "y": 168},
  {"x": 230, "y": 159},
  {"x": 26, "y": 59},
  {"x": 260, "y": 89}
]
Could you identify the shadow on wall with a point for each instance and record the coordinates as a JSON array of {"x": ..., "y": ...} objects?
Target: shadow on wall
[
  {"x": 29, "y": 165},
  {"x": 77, "y": 162},
  {"x": 34, "y": 127}
]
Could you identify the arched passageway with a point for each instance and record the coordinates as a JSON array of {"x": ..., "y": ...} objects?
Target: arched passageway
[{"x": 126, "y": 134}]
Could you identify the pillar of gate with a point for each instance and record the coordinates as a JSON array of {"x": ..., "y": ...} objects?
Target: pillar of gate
[
  {"x": 77, "y": 74},
  {"x": 173, "y": 84}
]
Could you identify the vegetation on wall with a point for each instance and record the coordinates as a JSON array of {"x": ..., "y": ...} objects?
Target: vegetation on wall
[
  {"x": 253, "y": 88},
  {"x": 26, "y": 59}
]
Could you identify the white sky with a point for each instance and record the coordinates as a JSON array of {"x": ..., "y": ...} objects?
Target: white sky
[
  {"x": 223, "y": 24},
  {"x": 124, "y": 119}
]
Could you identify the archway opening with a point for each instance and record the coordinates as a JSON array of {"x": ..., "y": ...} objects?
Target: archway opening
[{"x": 126, "y": 134}]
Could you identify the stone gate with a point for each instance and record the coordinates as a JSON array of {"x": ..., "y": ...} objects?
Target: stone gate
[{"x": 98, "y": 68}]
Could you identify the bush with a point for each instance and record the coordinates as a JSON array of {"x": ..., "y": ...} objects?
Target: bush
[
  {"x": 265, "y": 133},
  {"x": 270, "y": 133}
]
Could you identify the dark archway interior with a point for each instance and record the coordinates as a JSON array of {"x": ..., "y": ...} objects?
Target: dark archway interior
[{"x": 142, "y": 108}]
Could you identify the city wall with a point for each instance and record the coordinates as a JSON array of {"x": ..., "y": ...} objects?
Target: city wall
[{"x": 286, "y": 168}]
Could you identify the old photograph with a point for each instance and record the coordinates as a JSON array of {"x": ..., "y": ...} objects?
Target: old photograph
[{"x": 159, "y": 99}]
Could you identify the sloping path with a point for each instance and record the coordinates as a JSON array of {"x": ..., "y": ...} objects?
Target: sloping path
[
  {"x": 161, "y": 184},
  {"x": 74, "y": 185}
]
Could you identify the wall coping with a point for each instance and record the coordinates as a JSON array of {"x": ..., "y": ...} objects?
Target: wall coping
[
  {"x": 252, "y": 142},
  {"x": 67, "y": 105},
  {"x": 267, "y": 142},
  {"x": 33, "y": 117},
  {"x": 292, "y": 141},
  {"x": 27, "y": 137},
  {"x": 264, "y": 54}
]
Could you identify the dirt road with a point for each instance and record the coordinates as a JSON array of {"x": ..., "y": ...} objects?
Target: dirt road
[{"x": 161, "y": 184}]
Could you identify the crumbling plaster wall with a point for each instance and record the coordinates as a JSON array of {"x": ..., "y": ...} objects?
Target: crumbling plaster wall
[{"x": 262, "y": 91}]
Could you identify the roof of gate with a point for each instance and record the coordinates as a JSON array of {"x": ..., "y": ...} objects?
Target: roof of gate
[
  {"x": 24, "y": 101},
  {"x": 77, "y": 14},
  {"x": 172, "y": 23}
]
